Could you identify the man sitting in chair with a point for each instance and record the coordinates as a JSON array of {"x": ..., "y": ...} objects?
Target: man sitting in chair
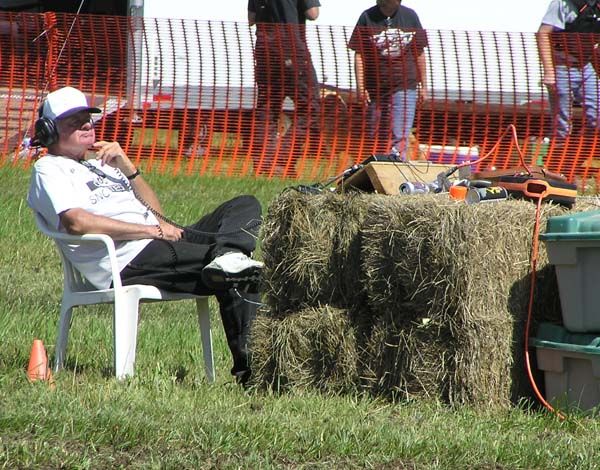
[{"x": 108, "y": 195}]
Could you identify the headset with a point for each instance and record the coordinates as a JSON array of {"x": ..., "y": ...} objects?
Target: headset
[{"x": 45, "y": 133}]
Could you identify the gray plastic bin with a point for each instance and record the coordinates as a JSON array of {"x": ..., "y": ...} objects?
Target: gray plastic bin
[
  {"x": 571, "y": 366},
  {"x": 573, "y": 245}
]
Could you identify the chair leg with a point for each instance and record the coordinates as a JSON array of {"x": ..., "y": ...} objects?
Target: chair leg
[
  {"x": 125, "y": 323},
  {"x": 64, "y": 324},
  {"x": 206, "y": 337}
]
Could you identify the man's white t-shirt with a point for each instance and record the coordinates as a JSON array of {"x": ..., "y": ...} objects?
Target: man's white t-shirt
[
  {"x": 59, "y": 183},
  {"x": 559, "y": 14}
]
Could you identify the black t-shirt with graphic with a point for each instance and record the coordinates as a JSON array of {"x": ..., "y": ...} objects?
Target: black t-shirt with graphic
[{"x": 390, "y": 47}]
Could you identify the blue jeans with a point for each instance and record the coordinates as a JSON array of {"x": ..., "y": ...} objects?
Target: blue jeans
[
  {"x": 394, "y": 115},
  {"x": 581, "y": 84}
]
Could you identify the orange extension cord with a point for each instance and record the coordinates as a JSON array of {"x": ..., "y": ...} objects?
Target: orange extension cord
[
  {"x": 533, "y": 261},
  {"x": 533, "y": 267}
]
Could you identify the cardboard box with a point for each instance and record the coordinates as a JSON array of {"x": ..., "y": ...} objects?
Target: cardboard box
[{"x": 386, "y": 177}]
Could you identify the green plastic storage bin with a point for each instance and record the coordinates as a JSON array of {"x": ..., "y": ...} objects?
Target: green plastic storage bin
[
  {"x": 573, "y": 245},
  {"x": 571, "y": 366}
]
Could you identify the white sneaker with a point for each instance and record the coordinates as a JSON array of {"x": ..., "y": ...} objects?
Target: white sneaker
[{"x": 231, "y": 270}]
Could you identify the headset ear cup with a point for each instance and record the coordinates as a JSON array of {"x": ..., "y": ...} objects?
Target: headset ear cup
[{"x": 45, "y": 131}]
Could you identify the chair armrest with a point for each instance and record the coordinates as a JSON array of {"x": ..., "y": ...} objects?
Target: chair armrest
[{"x": 78, "y": 238}]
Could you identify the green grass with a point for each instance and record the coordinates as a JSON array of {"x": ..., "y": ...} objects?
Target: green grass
[{"x": 167, "y": 416}]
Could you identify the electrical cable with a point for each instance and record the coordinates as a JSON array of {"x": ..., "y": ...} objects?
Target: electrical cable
[
  {"x": 397, "y": 166},
  {"x": 414, "y": 169},
  {"x": 533, "y": 262},
  {"x": 63, "y": 45},
  {"x": 533, "y": 255},
  {"x": 252, "y": 224},
  {"x": 251, "y": 302},
  {"x": 66, "y": 39},
  {"x": 37, "y": 147},
  {"x": 533, "y": 267},
  {"x": 494, "y": 148}
]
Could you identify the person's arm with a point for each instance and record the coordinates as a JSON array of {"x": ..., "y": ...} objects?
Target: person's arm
[
  {"x": 359, "y": 71},
  {"x": 78, "y": 221},
  {"x": 422, "y": 71},
  {"x": 545, "y": 51},
  {"x": 312, "y": 13},
  {"x": 81, "y": 221},
  {"x": 111, "y": 153},
  {"x": 251, "y": 12}
]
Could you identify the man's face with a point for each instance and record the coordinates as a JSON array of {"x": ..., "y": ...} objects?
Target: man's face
[
  {"x": 77, "y": 130},
  {"x": 389, "y": 5}
]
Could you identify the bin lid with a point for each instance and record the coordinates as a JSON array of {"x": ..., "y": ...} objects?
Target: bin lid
[
  {"x": 578, "y": 226},
  {"x": 553, "y": 336}
]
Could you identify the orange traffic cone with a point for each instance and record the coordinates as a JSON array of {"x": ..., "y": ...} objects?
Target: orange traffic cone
[{"x": 38, "y": 363}]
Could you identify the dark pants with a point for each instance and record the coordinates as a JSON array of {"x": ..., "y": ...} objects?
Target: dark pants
[
  {"x": 283, "y": 69},
  {"x": 177, "y": 267}
]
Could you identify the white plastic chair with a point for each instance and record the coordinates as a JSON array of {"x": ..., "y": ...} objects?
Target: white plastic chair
[{"x": 78, "y": 291}]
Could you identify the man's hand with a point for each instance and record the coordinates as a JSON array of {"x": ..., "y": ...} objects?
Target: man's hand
[
  {"x": 312, "y": 13},
  {"x": 549, "y": 80},
  {"x": 363, "y": 96},
  {"x": 111, "y": 153},
  {"x": 170, "y": 232}
]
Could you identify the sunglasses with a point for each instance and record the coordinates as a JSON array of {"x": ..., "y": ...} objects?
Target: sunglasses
[{"x": 76, "y": 121}]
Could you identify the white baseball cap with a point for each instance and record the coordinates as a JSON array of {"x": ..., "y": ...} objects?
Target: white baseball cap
[{"x": 65, "y": 102}]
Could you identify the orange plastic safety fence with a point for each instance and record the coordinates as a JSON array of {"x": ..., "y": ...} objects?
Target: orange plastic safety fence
[{"x": 224, "y": 98}]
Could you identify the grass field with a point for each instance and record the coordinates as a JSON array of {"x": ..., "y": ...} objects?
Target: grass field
[{"x": 167, "y": 416}]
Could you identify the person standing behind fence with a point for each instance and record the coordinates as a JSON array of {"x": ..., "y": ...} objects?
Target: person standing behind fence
[
  {"x": 391, "y": 71},
  {"x": 283, "y": 68},
  {"x": 568, "y": 62}
]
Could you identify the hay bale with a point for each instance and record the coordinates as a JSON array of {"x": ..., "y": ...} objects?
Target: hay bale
[
  {"x": 465, "y": 269},
  {"x": 311, "y": 250},
  {"x": 406, "y": 361},
  {"x": 313, "y": 348},
  {"x": 434, "y": 294},
  {"x": 422, "y": 252}
]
